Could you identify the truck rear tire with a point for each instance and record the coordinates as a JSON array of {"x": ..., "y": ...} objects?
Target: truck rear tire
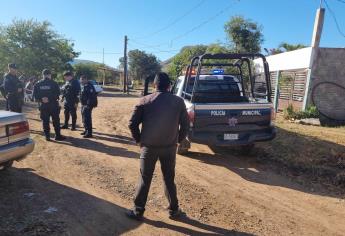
[
  {"x": 247, "y": 149},
  {"x": 6, "y": 165}
]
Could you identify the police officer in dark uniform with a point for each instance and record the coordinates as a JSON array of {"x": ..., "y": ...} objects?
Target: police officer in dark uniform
[
  {"x": 71, "y": 99},
  {"x": 88, "y": 100},
  {"x": 47, "y": 93},
  {"x": 164, "y": 121},
  {"x": 13, "y": 89}
]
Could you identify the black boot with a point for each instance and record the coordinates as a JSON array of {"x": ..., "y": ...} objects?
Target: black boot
[
  {"x": 134, "y": 215},
  {"x": 60, "y": 137},
  {"x": 47, "y": 137},
  {"x": 65, "y": 126}
]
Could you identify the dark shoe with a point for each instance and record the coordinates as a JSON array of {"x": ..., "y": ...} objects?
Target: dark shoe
[
  {"x": 60, "y": 138},
  {"x": 87, "y": 136},
  {"x": 176, "y": 214},
  {"x": 73, "y": 129},
  {"x": 48, "y": 138},
  {"x": 134, "y": 216},
  {"x": 64, "y": 127},
  {"x": 83, "y": 133}
]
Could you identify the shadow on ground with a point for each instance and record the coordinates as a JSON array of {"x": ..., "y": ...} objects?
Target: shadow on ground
[
  {"x": 92, "y": 145},
  {"x": 306, "y": 160},
  {"x": 117, "y": 95},
  {"x": 39, "y": 206}
]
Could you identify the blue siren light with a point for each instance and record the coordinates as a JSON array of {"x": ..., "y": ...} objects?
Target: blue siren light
[{"x": 218, "y": 71}]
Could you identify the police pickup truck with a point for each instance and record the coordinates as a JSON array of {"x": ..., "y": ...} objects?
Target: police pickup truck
[{"x": 228, "y": 101}]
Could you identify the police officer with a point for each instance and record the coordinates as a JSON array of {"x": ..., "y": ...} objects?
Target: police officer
[
  {"x": 13, "y": 89},
  {"x": 71, "y": 99},
  {"x": 47, "y": 93},
  {"x": 164, "y": 121},
  {"x": 88, "y": 100}
]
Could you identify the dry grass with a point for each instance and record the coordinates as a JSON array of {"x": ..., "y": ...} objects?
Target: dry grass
[{"x": 316, "y": 152}]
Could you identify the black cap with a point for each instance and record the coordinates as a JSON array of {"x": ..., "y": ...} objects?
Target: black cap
[
  {"x": 162, "y": 81},
  {"x": 46, "y": 72},
  {"x": 12, "y": 65},
  {"x": 67, "y": 73}
]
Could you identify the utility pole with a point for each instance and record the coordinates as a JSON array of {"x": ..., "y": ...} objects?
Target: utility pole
[
  {"x": 103, "y": 69},
  {"x": 318, "y": 25},
  {"x": 125, "y": 69}
]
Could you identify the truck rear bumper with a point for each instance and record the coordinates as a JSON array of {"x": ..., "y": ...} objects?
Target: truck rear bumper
[
  {"x": 16, "y": 151},
  {"x": 244, "y": 137}
]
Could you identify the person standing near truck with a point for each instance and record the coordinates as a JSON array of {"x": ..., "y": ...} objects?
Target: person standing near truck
[
  {"x": 71, "y": 99},
  {"x": 165, "y": 123},
  {"x": 88, "y": 100},
  {"x": 13, "y": 89},
  {"x": 47, "y": 93}
]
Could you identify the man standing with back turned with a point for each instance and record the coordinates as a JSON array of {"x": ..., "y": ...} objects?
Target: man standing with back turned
[
  {"x": 47, "y": 93},
  {"x": 164, "y": 121}
]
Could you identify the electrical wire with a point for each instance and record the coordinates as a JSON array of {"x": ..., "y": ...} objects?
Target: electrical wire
[
  {"x": 203, "y": 23},
  {"x": 342, "y": 1},
  {"x": 189, "y": 31},
  {"x": 174, "y": 22},
  {"x": 99, "y": 52},
  {"x": 335, "y": 19}
]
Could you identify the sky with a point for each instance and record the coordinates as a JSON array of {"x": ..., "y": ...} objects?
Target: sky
[{"x": 163, "y": 27}]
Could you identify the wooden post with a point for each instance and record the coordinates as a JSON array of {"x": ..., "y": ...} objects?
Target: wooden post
[{"x": 125, "y": 69}]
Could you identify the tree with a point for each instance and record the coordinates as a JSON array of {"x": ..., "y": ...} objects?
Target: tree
[
  {"x": 244, "y": 35},
  {"x": 88, "y": 69},
  {"x": 183, "y": 59},
  {"x": 34, "y": 46},
  {"x": 141, "y": 64},
  {"x": 284, "y": 47}
]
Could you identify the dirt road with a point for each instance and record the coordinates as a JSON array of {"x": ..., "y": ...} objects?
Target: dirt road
[{"x": 82, "y": 187}]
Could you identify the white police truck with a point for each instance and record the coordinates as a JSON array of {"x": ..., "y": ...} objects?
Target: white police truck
[{"x": 228, "y": 101}]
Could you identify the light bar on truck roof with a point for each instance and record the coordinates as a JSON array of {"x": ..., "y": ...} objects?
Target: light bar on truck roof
[{"x": 217, "y": 71}]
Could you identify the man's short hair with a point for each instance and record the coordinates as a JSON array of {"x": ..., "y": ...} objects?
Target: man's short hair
[
  {"x": 46, "y": 72},
  {"x": 67, "y": 73},
  {"x": 83, "y": 77},
  {"x": 162, "y": 81}
]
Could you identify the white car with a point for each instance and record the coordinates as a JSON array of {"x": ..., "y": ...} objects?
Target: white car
[
  {"x": 15, "y": 141},
  {"x": 97, "y": 86}
]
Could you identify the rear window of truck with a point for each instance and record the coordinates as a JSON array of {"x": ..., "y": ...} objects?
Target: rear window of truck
[{"x": 215, "y": 90}]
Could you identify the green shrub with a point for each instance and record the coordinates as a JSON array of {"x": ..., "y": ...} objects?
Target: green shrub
[
  {"x": 310, "y": 112},
  {"x": 289, "y": 112}
]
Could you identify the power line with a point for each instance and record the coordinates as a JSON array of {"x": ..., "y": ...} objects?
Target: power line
[
  {"x": 175, "y": 21},
  {"x": 202, "y": 23},
  {"x": 99, "y": 52},
  {"x": 342, "y": 1},
  {"x": 146, "y": 45},
  {"x": 335, "y": 19},
  {"x": 189, "y": 31},
  {"x": 158, "y": 51}
]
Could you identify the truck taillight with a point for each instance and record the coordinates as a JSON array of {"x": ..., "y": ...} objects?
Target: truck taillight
[
  {"x": 18, "y": 128},
  {"x": 191, "y": 116}
]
